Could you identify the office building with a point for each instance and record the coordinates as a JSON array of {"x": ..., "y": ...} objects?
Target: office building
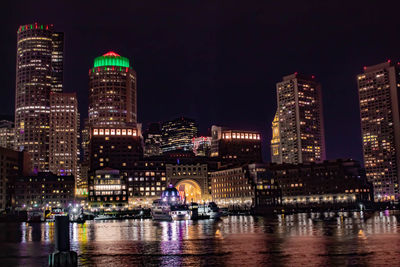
[
  {"x": 235, "y": 145},
  {"x": 153, "y": 140},
  {"x": 202, "y": 146},
  {"x": 7, "y": 134},
  {"x": 112, "y": 91},
  {"x": 300, "y": 121},
  {"x": 38, "y": 47},
  {"x": 378, "y": 89},
  {"x": 177, "y": 134},
  {"x": 63, "y": 135}
]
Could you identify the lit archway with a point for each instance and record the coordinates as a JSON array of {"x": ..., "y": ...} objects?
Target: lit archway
[{"x": 190, "y": 189}]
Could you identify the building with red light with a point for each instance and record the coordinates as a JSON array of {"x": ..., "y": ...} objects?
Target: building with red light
[
  {"x": 378, "y": 89},
  {"x": 63, "y": 135},
  {"x": 298, "y": 126},
  {"x": 112, "y": 91},
  {"x": 39, "y": 71},
  {"x": 202, "y": 146},
  {"x": 235, "y": 145},
  {"x": 177, "y": 134}
]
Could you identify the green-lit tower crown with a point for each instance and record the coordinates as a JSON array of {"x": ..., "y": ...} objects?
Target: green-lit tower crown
[{"x": 112, "y": 91}]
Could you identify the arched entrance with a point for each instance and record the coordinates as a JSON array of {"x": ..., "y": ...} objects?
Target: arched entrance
[{"x": 190, "y": 189}]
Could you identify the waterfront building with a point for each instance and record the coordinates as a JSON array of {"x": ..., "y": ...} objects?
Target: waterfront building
[
  {"x": 44, "y": 190},
  {"x": 7, "y": 134},
  {"x": 153, "y": 140},
  {"x": 177, "y": 134},
  {"x": 299, "y": 121},
  {"x": 112, "y": 91},
  {"x": 63, "y": 135},
  {"x": 378, "y": 89},
  {"x": 235, "y": 145},
  {"x": 191, "y": 179},
  {"x": 244, "y": 187},
  {"x": 146, "y": 181},
  {"x": 202, "y": 146},
  {"x": 38, "y": 47},
  {"x": 13, "y": 164},
  {"x": 327, "y": 183},
  {"x": 107, "y": 189},
  {"x": 116, "y": 147}
]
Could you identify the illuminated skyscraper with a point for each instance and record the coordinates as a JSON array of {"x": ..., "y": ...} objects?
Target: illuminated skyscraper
[
  {"x": 152, "y": 140},
  {"x": 301, "y": 125},
  {"x": 177, "y": 134},
  {"x": 112, "y": 91},
  {"x": 7, "y": 133},
  {"x": 63, "y": 134},
  {"x": 378, "y": 89},
  {"x": 36, "y": 53}
]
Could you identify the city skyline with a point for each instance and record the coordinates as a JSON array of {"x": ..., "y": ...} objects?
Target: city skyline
[{"x": 258, "y": 76}]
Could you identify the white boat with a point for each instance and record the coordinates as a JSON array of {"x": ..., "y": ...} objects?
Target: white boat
[
  {"x": 170, "y": 207},
  {"x": 210, "y": 209}
]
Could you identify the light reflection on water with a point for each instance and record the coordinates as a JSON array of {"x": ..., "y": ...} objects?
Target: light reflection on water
[{"x": 290, "y": 240}]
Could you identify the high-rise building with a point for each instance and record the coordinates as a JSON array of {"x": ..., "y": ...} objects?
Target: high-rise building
[
  {"x": 7, "y": 134},
  {"x": 177, "y": 134},
  {"x": 202, "y": 146},
  {"x": 112, "y": 91},
  {"x": 301, "y": 125},
  {"x": 153, "y": 140},
  {"x": 378, "y": 89},
  {"x": 276, "y": 152},
  {"x": 34, "y": 82},
  {"x": 57, "y": 62},
  {"x": 235, "y": 145},
  {"x": 63, "y": 137}
]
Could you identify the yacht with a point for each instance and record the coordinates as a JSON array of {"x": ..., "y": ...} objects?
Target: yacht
[{"x": 170, "y": 206}]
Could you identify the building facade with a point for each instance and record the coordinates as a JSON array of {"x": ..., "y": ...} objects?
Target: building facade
[
  {"x": 36, "y": 52},
  {"x": 63, "y": 135},
  {"x": 235, "y": 145},
  {"x": 177, "y": 134},
  {"x": 153, "y": 140},
  {"x": 300, "y": 121},
  {"x": 44, "y": 190},
  {"x": 13, "y": 164},
  {"x": 7, "y": 134},
  {"x": 112, "y": 91},
  {"x": 116, "y": 148},
  {"x": 330, "y": 182},
  {"x": 378, "y": 89},
  {"x": 107, "y": 189},
  {"x": 202, "y": 146}
]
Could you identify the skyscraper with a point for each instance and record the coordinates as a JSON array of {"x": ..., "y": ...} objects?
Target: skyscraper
[
  {"x": 34, "y": 82},
  {"x": 7, "y": 134},
  {"x": 57, "y": 62},
  {"x": 177, "y": 134},
  {"x": 63, "y": 134},
  {"x": 152, "y": 140},
  {"x": 112, "y": 91},
  {"x": 301, "y": 125},
  {"x": 378, "y": 89}
]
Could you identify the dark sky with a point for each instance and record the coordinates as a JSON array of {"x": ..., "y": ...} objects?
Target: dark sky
[{"x": 218, "y": 61}]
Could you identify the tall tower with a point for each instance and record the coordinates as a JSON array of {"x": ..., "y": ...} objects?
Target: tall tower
[
  {"x": 276, "y": 151},
  {"x": 378, "y": 89},
  {"x": 63, "y": 134},
  {"x": 57, "y": 62},
  {"x": 34, "y": 82},
  {"x": 301, "y": 124},
  {"x": 112, "y": 91}
]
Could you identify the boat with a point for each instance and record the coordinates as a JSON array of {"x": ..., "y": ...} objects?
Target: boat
[
  {"x": 170, "y": 206},
  {"x": 35, "y": 215},
  {"x": 104, "y": 217},
  {"x": 209, "y": 209}
]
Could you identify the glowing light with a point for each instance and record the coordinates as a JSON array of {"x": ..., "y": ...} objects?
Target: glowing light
[{"x": 111, "y": 59}]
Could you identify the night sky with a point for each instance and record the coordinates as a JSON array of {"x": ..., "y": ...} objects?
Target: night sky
[{"x": 218, "y": 61}]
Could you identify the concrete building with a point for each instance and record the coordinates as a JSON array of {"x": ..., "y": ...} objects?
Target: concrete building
[
  {"x": 235, "y": 145},
  {"x": 63, "y": 135},
  {"x": 44, "y": 190},
  {"x": 38, "y": 47},
  {"x": 301, "y": 125},
  {"x": 7, "y": 134},
  {"x": 177, "y": 134},
  {"x": 112, "y": 91},
  {"x": 13, "y": 164},
  {"x": 378, "y": 89}
]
